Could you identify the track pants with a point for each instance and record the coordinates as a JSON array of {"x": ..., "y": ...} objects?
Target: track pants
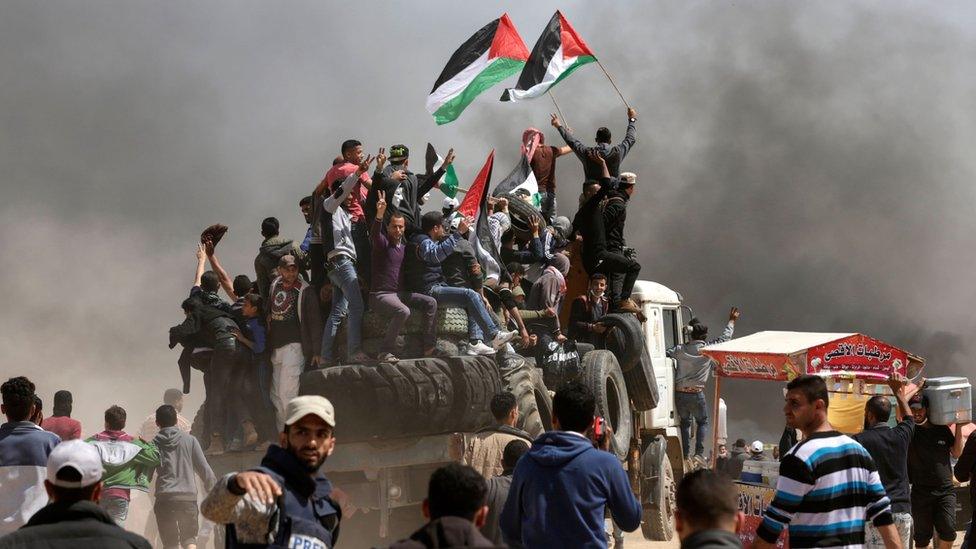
[
  {"x": 287, "y": 363},
  {"x": 396, "y": 307}
]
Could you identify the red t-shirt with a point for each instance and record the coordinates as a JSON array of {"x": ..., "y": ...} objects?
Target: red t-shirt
[
  {"x": 342, "y": 171},
  {"x": 63, "y": 426}
]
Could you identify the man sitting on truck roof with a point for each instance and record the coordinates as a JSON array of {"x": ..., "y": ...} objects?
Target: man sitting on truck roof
[
  {"x": 485, "y": 450},
  {"x": 433, "y": 246}
]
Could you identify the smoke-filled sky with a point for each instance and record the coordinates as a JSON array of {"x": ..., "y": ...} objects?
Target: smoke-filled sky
[{"x": 808, "y": 162}]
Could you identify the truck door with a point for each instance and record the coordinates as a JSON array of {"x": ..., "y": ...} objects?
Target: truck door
[{"x": 661, "y": 333}]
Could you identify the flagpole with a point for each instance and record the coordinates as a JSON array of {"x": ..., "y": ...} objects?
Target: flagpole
[
  {"x": 614, "y": 84},
  {"x": 553, "y": 97}
]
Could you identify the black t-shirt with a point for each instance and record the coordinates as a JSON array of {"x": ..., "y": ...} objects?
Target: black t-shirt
[
  {"x": 928, "y": 457},
  {"x": 889, "y": 450},
  {"x": 285, "y": 328}
]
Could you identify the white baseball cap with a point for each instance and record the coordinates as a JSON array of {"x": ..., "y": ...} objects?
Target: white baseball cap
[
  {"x": 756, "y": 447},
  {"x": 81, "y": 456},
  {"x": 302, "y": 406}
]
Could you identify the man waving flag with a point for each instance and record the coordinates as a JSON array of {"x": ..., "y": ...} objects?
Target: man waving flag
[
  {"x": 491, "y": 55},
  {"x": 557, "y": 53}
]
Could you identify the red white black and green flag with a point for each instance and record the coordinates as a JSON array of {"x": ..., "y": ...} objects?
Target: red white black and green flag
[
  {"x": 491, "y": 55},
  {"x": 557, "y": 53}
]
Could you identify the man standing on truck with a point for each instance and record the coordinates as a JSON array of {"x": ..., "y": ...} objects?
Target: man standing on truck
[
  {"x": 828, "y": 486},
  {"x": 692, "y": 369},
  {"x": 889, "y": 449},
  {"x": 930, "y": 472},
  {"x": 286, "y": 502},
  {"x": 612, "y": 155},
  {"x": 562, "y": 489}
]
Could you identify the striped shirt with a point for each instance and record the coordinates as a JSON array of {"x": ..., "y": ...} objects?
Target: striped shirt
[{"x": 828, "y": 488}]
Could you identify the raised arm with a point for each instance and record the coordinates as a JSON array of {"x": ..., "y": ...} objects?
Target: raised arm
[
  {"x": 437, "y": 252},
  {"x": 246, "y": 498},
  {"x": 631, "y": 136},
  {"x": 729, "y": 328},
  {"x": 957, "y": 441},
  {"x": 574, "y": 144},
  {"x": 201, "y": 264},
  {"x": 225, "y": 281},
  {"x": 334, "y": 200},
  {"x": 434, "y": 180},
  {"x": 903, "y": 393}
]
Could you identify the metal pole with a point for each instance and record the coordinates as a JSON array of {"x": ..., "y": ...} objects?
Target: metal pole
[
  {"x": 614, "y": 84},
  {"x": 563, "y": 118}
]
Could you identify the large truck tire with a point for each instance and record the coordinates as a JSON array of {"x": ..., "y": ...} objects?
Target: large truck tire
[
  {"x": 641, "y": 384},
  {"x": 410, "y": 397},
  {"x": 658, "y": 514},
  {"x": 625, "y": 338},
  {"x": 601, "y": 373},
  {"x": 452, "y": 322},
  {"x": 535, "y": 406},
  {"x": 476, "y": 380},
  {"x": 520, "y": 212}
]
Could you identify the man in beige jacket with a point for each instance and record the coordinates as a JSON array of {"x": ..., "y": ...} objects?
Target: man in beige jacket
[{"x": 484, "y": 451}]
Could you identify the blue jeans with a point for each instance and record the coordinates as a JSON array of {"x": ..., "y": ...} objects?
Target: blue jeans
[
  {"x": 692, "y": 406},
  {"x": 346, "y": 297},
  {"x": 480, "y": 323}
]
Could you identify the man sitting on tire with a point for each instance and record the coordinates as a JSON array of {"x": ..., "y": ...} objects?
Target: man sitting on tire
[
  {"x": 433, "y": 246},
  {"x": 485, "y": 450},
  {"x": 691, "y": 374},
  {"x": 387, "y": 296},
  {"x": 563, "y": 487},
  {"x": 587, "y": 310}
]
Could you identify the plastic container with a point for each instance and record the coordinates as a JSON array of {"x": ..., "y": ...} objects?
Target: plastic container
[{"x": 950, "y": 400}]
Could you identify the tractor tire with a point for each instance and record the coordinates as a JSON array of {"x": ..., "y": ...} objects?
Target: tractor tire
[
  {"x": 520, "y": 213},
  {"x": 476, "y": 380},
  {"x": 657, "y": 521},
  {"x": 625, "y": 339},
  {"x": 535, "y": 406},
  {"x": 601, "y": 373},
  {"x": 641, "y": 384},
  {"x": 452, "y": 322},
  {"x": 411, "y": 397}
]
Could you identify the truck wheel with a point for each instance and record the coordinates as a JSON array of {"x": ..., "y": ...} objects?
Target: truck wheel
[
  {"x": 601, "y": 373},
  {"x": 625, "y": 339},
  {"x": 476, "y": 380},
  {"x": 535, "y": 406},
  {"x": 641, "y": 384},
  {"x": 452, "y": 322},
  {"x": 657, "y": 522},
  {"x": 520, "y": 212}
]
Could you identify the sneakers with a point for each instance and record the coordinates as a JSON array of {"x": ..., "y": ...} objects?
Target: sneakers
[
  {"x": 387, "y": 357},
  {"x": 479, "y": 349},
  {"x": 501, "y": 338},
  {"x": 216, "y": 447}
]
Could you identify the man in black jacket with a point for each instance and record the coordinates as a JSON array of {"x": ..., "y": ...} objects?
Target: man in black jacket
[
  {"x": 965, "y": 470},
  {"x": 73, "y": 517},
  {"x": 404, "y": 189},
  {"x": 889, "y": 449},
  {"x": 613, "y": 155},
  {"x": 625, "y": 268}
]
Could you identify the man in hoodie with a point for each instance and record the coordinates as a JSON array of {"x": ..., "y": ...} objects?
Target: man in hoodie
[
  {"x": 498, "y": 487},
  {"x": 707, "y": 513},
  {"x": 272, "y": 249},
  {"x": 562, "y": 489},
  {"x": 433, "y": 246},
  {"x": 625, "y": 269},
  {"x": 691, "y": 374},
  {"x": 455, "y": 509},
  {"x": 485, "y": 450},
  {"x": 60, "y": 421},
  {"x": 613, "y": 155},
  {"x": 737, "y": 459},
  {"x": 180, "y": 456},
  {"x": 129, "y": 463},
  {"x": 24, "y": 450},
  {"x": 306, "y": 516},
  {"x": 72, "y": 518}
]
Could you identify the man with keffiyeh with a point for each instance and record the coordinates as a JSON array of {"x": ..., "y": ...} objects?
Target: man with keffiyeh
[{"x": 542, "y": 159}]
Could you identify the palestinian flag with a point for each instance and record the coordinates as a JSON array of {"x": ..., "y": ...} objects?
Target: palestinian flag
[
  {"x": 469, "y": 207},
  {"x": 520, "y": 178},
  {"x": 491, "y": 55},
  {"x": 449, "y": 186},
  {"x": 484, "y": 245},
  {"x": 558, "y": 53}
]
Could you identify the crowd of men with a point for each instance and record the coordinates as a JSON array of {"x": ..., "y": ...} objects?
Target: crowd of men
[{"x": 369, "y": 247}]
